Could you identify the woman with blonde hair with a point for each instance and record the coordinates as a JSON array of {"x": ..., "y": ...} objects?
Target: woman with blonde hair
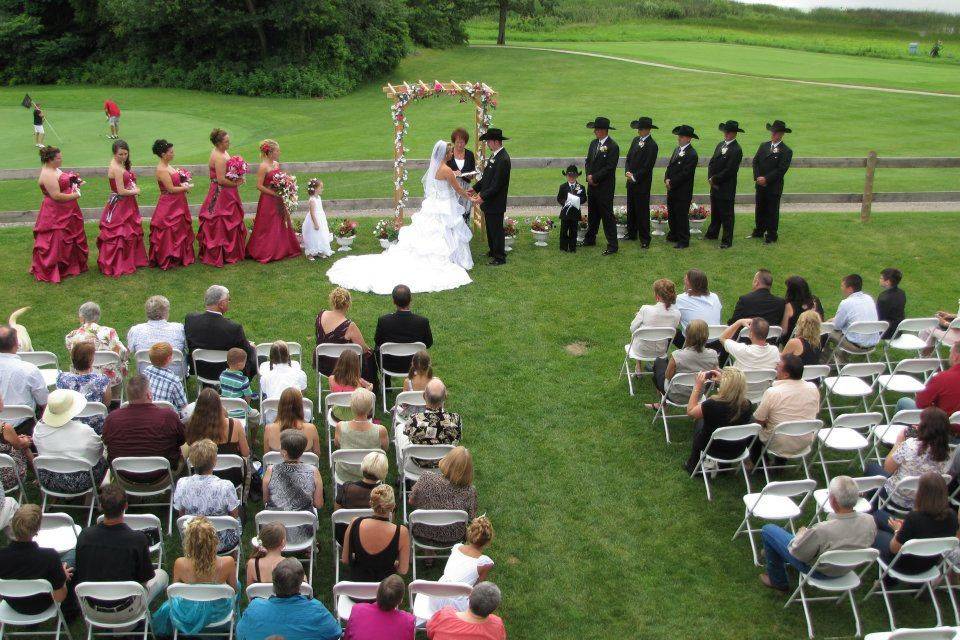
[
  {"x": 273, "y": 236},
  {"x": 729, "y": 406},
  {"x": 359, "y": 433},
  {"x": 663, "y": 313},
  {"x": 693, "y": 357},
  {"x": 805, "y": 342},
  {"x": 273, "y": 538},
  {"x": 200, "y": 564},
  {"x": 377, "y": 532},
  {"x": 467, "y": 563},
  {"x": 333, "y": 326},
  {"x": 452, "y": 488},
  {"x": 290, "y": 416}
]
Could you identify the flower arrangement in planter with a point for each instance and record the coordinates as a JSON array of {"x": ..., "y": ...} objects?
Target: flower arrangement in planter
[
  {"x": 582, "y": 228},
  {"x": 540, "y": 227},
  {"x": 387, "y": 231},
  {"x": 346, "y": 233},
  {"x": 698, "y": 215},
  {"x": 509, "y": 233},
  {"x": 620, "y": 215},
  {"x": 658, "y": 219}
]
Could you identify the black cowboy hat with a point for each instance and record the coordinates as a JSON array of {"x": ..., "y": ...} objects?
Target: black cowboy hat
[
  {"x": 731, "y": 125},
  {"x": 685, "y": 130},
  {"x": 600, "y": 123},
  {"x": 493, "y": 134},
  {"x": 643, "y": 122},
  {"x": 572, "y": 169},
  {"x": 779, "y": 125}
]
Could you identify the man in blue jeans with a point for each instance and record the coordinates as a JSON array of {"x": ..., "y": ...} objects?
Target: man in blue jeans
[{"x": 845, "y": 529}]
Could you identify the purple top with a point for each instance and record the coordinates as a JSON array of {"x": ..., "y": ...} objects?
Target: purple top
[{"x": 370, "y": 622}]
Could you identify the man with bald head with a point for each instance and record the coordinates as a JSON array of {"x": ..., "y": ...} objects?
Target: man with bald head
[{"x": 434, "y": 424}]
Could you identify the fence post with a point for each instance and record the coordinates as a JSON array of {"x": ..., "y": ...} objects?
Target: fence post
[{"x": 867, "y": 203}]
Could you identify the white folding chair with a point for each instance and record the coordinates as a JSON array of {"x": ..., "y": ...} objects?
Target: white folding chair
[
  {"x": 207, "y": 356},
  {"x": 865, "y": 485},
  {"x": 903, "y": 380},
  {"x": 846, "y": 584},
  {"x": 114, "y": 591},
  {"x": 7, "y": 462},
  {"x": 933, "y": 633},
  {"x": 151, "y": 527},
  {"x": 815, "y": 372},
  {"x": 727, "y": 434},
  {"x": 11, "y": 618},
  {"x": 920, "y": 548},
  {"x": 44, "y": 360},
  {"x": 773, "y": 335},
  {"x": 906, "y": 337},
  {"x": 847, "y": 432},
  {"x": 94, "y": 410},
  {"x": 290, "y": 520},
  {"x": 179, "y": 364},
  {"x": 861, "y": 328},
  {"x": 410, "y": 470},
  {"x": 657, "y": 339},
  {"x": 147, "y": 465},
  {"x": 714, "y": 331},
  {"x": 351, "y": 458},
  {"x": 433, "y": 518},
  {"x": 682, "y": 381},
  {"x": 789, "y": 429},
  {"x": 58, "y": 532},
  {"x": 856, "y": 380},
  {"x": 903, "y": 486},
  {"x": 774, "y": 503},
  {"x": 236, "y": 404},
  {"x": 221, "y": 524},
  {"x": 396, "y": 350},
  {"x": 268, "y": 410},
  {"x": 422, "y": 591},
  {"x": 887, "y": 434},
  {"x": 295, "y": 349},
  {"x": 331, "y": 401},
  {"x": 265, "y": 590},
  {"x": 413, "y": 401},
  {"x": 57, "y": 464},
  {"x": 346, "y": 593},
  {"x": 332, "y": 350},
  {"x": 758, "y": 381},
  {"x": 271, "y": 458},
  {"x": 343, "y": 517},
  {"x": 104, "y": 358},
  {"x": 17, "y": 413},
  {"x": 227, "y": 462},
  {"x": 945, "y": 342},
  {"x": 205, "y": 592}
]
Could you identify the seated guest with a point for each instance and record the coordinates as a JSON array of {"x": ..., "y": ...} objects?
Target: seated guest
[
  {"x": 376, "y": 532},
  {"x": 346, "y": 378},
  {"x": 433, "y": 424},
  {"x": 912, "y": 455},
  {"x": 359, "y": 433},
  {"x": 760, "y": 303},
  {"x": 235, "y": 384},
  {"x": 24, "y": 559},
  {"x": 664, "y": 313},
  {"x": 103, "y": 338},
  {"x": 334, "y": 327},
  {"x": 697, "y": 302},
  {"x": 92, "y": 385},
  {"x": 383, "y": 619},
  {"x": 693, "y": 357},
  {"x": 17, "y": 447},
  {"x": 789, "y": 398},
  {"x": 467, "y": 563},
  {"x": 356, "y": 495},
  {"x": 941, "y": 391},
  {"x": 110, "y": 551},
  {"x": 798, "y": 299},
  {"x": 942, "y": 333},
  {"x": 280, "y": 372},
  {"x": 452, "y": 488},
  {"x": 200, "y": 564},
  {"x": 726, "y": 408},
  {"x": 273, "y": 538},
  {"x": 856, "y": 306},
  {"x": 293, "y": 485},
  {"x": 931, "y": 517},
  {"x": 290, "y": 416},
  {"x": 478, "y": 621},
  {"x": 58, "y": 434},
  {"x": 165, "y": 385},
  {"x": 204, "y": 494},
  {"x": 758, "y": 354},
  {"x": 287, "y": 614},
  {"x": 141, "y": 428},
  {"x": 157, "y": 328},
  {"x": 21, "y": 382},
  {"x": 420, "y": 373},
  {"x": 892, "y": 301},
  {"x": 401, "y": 326},
  {"x": 846, "y": 529},
  {"x": 805, "y": 343},
  {"x": 8, "y": 508},
  {"x": 209, "y": 420},
  {"x": 210, "y": 329}
]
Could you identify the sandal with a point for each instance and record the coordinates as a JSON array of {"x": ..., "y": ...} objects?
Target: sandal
[{"x": 654, "y": 406}]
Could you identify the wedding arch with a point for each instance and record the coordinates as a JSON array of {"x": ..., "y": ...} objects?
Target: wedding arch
[{"x": 484, "y": 101}]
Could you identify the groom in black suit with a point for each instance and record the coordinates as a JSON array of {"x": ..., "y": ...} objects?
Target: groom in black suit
[
  {"x": 722, "y": 177},
  {"x": 601, "y": 169},
  {"x": 490, "y": 192}
]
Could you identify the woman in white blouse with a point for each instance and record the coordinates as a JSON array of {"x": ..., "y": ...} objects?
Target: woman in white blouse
[
  {"x": 58, "y": 434},
  {"x": 662, "y": 314},
  {"x": 467, "y": 563},
  {"x": 697, "y": 302},
  {"x": 280, "y": 372}
]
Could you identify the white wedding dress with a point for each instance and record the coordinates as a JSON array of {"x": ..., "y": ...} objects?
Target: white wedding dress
[{"x": 431, "y": 254}]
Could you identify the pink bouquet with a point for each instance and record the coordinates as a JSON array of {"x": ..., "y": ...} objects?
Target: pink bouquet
[
  {"x": 185, "y": 176},
  {"x": 74, "y": 178},
  {"x": 286, "y": 187},
  {"x": 236, "y": 168},
  {"x": 132, "y": 182}
]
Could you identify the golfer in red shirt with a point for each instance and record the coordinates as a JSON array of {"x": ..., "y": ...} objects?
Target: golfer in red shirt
[{"x": 113, "y": 118}]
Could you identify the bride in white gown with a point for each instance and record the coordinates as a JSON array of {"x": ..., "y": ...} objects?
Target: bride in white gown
[{"x": 432, "y": 252}]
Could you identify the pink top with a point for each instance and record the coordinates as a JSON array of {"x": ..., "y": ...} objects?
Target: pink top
[
  {"x": 370, "y": 622},
  {"x": 446, "y": 625},
  {"x": 336, "y": 387}
]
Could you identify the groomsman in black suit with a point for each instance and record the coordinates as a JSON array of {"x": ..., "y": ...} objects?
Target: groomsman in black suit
[
  {"x": 679, "y": 182},
  {"x": 722, "y": 176},
  {"x": 490, "y": 192},
  {"x": 769, "y": 165},
  {"x": 601, "y": 169},
  {"x": 641, "y": 157}
]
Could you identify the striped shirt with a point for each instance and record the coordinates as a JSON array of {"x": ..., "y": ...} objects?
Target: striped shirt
[
  {"x": 166, "y": 386},
  {"x": 233, "y": 384}
]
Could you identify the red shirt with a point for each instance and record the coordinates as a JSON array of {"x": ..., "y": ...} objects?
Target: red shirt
[
  {"x": 942, "y": 391},
  {"x": 144, "y": 430},
  {"x": 446, "y": 625},
  {"x": 111, "y": 108}
]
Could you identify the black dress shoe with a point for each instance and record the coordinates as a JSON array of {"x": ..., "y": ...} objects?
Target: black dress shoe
[
  {"x": 755, "y": 236},
  {"x": 709, "y": 237},
  {"x": 644, "y": 245},
  {"x": 681, "y": 245},
  {"x": 496, "y": 262},
  {"x": 589, "y": 244},
  {"x": 609, "y": 252},
  {"x": 769, "y": 240},
  {"x": 725, "y": 245},
  {"x": 671, "y": 238}
]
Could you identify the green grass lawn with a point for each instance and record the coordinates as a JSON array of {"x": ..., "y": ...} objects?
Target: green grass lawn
[{"x": 599, "y": 533}]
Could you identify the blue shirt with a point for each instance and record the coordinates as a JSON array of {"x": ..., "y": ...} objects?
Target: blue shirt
[
  {"x": 293, "y": 618},
  {"x": 857, "y": 307}
]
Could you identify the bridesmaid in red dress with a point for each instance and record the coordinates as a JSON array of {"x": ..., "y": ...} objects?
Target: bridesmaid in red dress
[
  {"x": 273, "y": 236},
  {"x": 222, "y": 233},
  {"x": 121, "y": 229},
  {"x": 59, "y": 244},
  {"x": 171, "y": 227}
]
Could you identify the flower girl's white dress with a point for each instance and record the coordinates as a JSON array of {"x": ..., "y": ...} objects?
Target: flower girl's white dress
[{"x": 316, "y": 242}]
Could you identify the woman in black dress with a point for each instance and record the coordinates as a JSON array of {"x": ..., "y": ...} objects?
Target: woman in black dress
[
  {"x": 798, "y": 299},
  {"x": 728, "y": 407},
  {"x": 806, "y": 342},
  {"x": 463, "y": 161}
]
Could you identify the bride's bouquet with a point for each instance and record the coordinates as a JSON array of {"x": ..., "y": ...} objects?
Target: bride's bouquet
[
  {"x": 286, "y": 187},
  {"x": 236, "y": 168}
]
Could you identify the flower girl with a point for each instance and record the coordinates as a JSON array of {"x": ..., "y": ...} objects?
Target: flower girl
[{"x": 316, "y": 233}]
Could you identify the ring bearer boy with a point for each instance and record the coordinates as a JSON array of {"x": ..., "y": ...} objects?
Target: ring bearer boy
[{"x": 570, "y": 198}]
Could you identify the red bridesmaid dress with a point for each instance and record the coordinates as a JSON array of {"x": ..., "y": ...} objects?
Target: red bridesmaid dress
[
  {"x": 171, "y": 229},
  {"x": 121, "y": 233},
  {"x": 222, "y": 233},
  {"x": 59, "y": 244},
  {"x": 272, "y": 238}
]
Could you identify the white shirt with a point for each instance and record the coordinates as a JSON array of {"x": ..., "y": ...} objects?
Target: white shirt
[
  {"x": 750, "y": 357},
  {"x": 146, "y": 334},
  {"x": 602, "y": 142},
  {"x": 681, "y": 148},
  {"x": 707, "y": 308},
  {"x": 653, "y": 315},
  {"x": 21, "y": 383},
  {"x": 460, "y": 568},
  {"x": 73, "y": 440},
  {"x": 274, "y": 381},
  {"x": 857, "y": 307}
]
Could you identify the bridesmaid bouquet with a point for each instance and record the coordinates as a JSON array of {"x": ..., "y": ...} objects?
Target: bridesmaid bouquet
[
  {"x": 185, "y": 176},
  {"x": 75, "y": 179},
  {"x": 286, "y": 187},
  {"x": 236, "y": 168}
]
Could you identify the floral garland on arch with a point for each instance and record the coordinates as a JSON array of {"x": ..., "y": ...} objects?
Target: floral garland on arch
[{"x": 483, "y": 97}]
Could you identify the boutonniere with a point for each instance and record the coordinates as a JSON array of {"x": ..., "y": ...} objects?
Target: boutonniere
[
  {"x": 776, "y": 149},
  {"x": 680, "y": 155},
  {"x": 490, "y": 162},
  {"x": 723, "y": 151},
  {"x": 641, "y": 144},
  {"x": 603, "y": 149}
]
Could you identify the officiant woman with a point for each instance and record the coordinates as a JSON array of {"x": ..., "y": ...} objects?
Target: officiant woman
[{"x": 462, "y": 161}]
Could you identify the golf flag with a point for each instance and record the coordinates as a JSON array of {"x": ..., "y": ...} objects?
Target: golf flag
[{"x": 27, "y": 101}]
